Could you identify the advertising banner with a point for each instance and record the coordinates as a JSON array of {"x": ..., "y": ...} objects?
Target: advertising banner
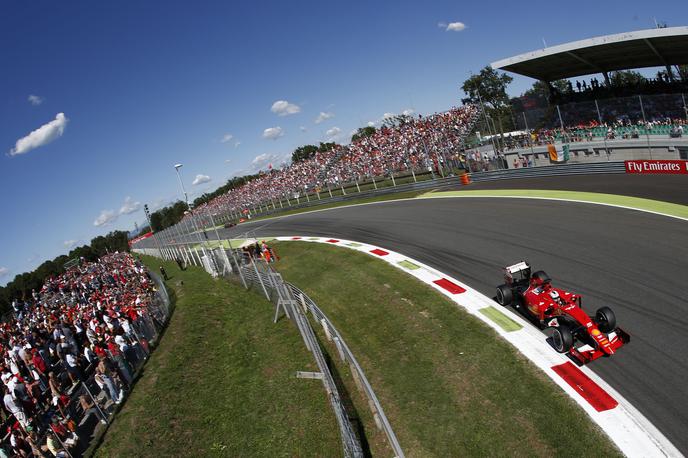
[{"x": 674, "y": 167}]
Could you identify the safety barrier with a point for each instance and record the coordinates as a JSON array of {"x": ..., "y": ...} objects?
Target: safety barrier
[
  {"x": 295, "y": 304},
  {"x": 552, "y": 170},
  {"x": 348, "y": 357}
]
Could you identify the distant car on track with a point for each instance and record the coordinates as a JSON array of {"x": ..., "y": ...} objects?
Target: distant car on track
[{"x": 559, "y": 313}]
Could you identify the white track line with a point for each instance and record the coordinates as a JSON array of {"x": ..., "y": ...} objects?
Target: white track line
[{"x": 624, "y": 424}]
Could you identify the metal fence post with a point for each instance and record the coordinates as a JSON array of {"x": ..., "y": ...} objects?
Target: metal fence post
[{"x": 260, "y": 280}]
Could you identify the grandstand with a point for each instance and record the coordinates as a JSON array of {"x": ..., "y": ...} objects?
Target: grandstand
[
  {"x": 443, "y": 143},
  {"x": 419, "y": 144},
  {"x": 661, "y": 47}
]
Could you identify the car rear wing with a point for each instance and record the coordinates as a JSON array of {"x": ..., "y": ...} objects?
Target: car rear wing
[
  {"x": 511, "y": 272},
  {"x": 517, "y": 267}
]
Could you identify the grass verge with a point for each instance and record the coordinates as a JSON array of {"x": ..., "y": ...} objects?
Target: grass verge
[
  {"x": 222, "y": 382},
  {"x": 449, "y": 385},
  {"x": 657, "y": 206}
]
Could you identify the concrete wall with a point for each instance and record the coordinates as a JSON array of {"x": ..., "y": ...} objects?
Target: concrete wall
[{"x": 619, "y": 150}]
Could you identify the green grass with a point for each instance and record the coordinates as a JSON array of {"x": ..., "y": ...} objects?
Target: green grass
[
  {"x": 449, "y": 384},
  {"x": 638, "y": 203},
  {"x": 222, "y": 382}
]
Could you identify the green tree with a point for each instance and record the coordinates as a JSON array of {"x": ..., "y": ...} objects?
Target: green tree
[
  {"x": 540, "y": 89},
  {"x": 626, "y": 78},
  {"x": 362, "y": 132},
  {"x": 489, "y": 85},
  {"x": 396, "y": 121},
  {"x": 324, "y": 147},
  {"x": 303, "y": 152}
]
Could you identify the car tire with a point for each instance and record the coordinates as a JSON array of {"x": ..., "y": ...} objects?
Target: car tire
[
  {"x": 505, "y": 295},
  {"x": 562, "y": 339},
  {"x": 605, "y": 319},
  {"x": 541, "y": 275}
]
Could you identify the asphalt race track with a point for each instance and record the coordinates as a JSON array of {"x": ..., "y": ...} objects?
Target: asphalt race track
[
  {"x": 635, "y": 262},
  {"x": 668, "y": 188}
]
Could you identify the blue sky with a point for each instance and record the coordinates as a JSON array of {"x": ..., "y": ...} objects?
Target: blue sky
[{"x": 144, "y": 85}]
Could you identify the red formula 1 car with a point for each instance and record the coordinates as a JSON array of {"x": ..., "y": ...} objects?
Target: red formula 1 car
[{"x": 560, "y": 315}]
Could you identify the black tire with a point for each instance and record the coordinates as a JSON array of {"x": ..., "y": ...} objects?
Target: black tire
[
  {"x": 605, "y": 319},
  {"x": 562, "y": 339},
  {"x": 541, "y": 275},
  {"x": 505, "y": 296}
]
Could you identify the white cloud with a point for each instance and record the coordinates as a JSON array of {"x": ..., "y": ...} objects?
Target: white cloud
[
  {"x": 35, "y": 100},
  {"x": 106, "y": 217},
  {"x": 324, "y": 116},
  {"x": 334, "y": 132},
  {"x": 158, "y": 204},
  {"x": 284, "y": 108},
  {"x": 262, "y": 161},
  {"x": 226, "y": 138},
  {"x": 41, "y": 136},
  {"x": 303, "y": 129},
  {"x": 227, "y": 161},
  {"x": 200, "y": 179},
  {"x": 236, "y": 144},
  {"x": 273, "y": 133},
  {"x": 69, "y": 244},
  {"x": 4, "y": 271},
  {"x": 452, "y": 26},
  {"x": 129, "y": 206}
]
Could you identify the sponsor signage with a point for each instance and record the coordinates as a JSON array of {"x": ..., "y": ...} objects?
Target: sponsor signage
[
  {"x": 675, "y": 167},
  {"x": 139, "y": 238}
]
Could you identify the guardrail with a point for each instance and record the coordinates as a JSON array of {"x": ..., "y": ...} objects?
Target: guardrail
[
  {"x": 348, "y": 357},
  {"x": 453, "y": 182},
  {"x": 206, "y": 221},
  {"x": 295, "y": 304},
  {"x": 277, "y": 292},
  {"x": 551, "y": 170}
]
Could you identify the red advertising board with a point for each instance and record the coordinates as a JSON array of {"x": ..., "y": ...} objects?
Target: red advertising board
[
  {"x": 674, "y": 167},
  {"x": 132, "y": 242}
]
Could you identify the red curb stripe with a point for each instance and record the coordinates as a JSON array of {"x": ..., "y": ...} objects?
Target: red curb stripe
[
  {"x": 379, "y": 252},
  {"x": 591, "y": 391},
  {"x": 296, "y": 238},
  {"x": 333, "y": 241},
  {"x": 449, "y": 286}
]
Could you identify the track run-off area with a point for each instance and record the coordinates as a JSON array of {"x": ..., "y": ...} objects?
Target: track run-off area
[{"x": 635, "y": 262}]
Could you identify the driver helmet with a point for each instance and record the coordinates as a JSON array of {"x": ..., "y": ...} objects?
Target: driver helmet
[{"x": 555, "y": 296}]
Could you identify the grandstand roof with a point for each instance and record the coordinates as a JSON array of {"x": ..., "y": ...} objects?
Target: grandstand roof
[{"x": 621, "y": 51}]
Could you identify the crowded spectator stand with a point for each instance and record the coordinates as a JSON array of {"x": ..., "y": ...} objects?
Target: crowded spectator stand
[
  {"x": 70, "y": 352},
  {"x": 427, "y": 144}
]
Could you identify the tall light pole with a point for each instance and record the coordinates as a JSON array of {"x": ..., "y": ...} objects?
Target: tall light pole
[
  {"x": 181, "y": 183},
  {"x": 188, "y": 205}
]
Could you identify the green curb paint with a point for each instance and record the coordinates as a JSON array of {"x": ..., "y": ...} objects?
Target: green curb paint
[
  {"x": 408, "y": 265},
  {"x": 502, "y": 320}
]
